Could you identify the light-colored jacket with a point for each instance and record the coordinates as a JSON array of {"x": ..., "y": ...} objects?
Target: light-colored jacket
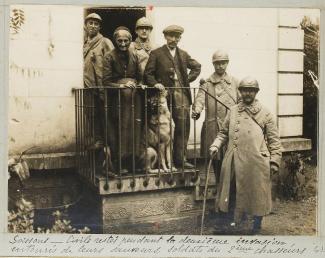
[
  {"x": 251, "y": 147},
  {"x": 94, "y": 51},
  {"x": 142, "y": 51},
  {"x": 225, "y": 88}
]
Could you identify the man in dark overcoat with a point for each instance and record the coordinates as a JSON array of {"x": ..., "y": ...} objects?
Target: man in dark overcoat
[{"x": 167, "y": 67}]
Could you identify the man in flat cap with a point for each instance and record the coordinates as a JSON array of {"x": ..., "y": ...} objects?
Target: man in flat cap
[
  {"x": 94, "y": 50},
  {"x": 219, "y": 85},
  {"x": 142, "y": 46},
  {"x": 167, "y": 67},
  {"x": 253, "y": 155}
]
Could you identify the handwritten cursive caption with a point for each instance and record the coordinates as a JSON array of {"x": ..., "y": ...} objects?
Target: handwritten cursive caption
[{"x": 156, "y": 245}]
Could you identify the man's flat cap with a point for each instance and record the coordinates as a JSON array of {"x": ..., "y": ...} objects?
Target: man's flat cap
[
  {"x": 94, "y": 16},
  {"x": 173, "y": 29}
]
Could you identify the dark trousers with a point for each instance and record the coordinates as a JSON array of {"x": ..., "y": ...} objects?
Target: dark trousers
[
  {"x": 99, "y": 118},
  {"x": 181, "y": 117},
  {"x": 125, "y": 124},
  {"x": 257, "y": 222},
  {"x": 216, "y": 169}
]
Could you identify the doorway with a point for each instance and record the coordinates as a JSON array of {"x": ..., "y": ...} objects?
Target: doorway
[{"x": 114, "y": 17}]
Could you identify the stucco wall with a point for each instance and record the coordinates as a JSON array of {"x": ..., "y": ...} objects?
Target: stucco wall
[{"x": 45, "y": 63}]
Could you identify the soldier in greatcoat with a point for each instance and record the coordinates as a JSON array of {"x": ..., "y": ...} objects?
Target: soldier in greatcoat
[
  {"x": 253, "y": 155},
  {"x": 219, "y": 85}
]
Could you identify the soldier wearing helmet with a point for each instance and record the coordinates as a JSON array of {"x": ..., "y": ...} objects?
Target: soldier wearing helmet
[
  {"x": 253, "y": 155},
  {"x": 94, "y": 49},
  {"x": 142, "y": 45},
  {"x": 224, "y": 87}
]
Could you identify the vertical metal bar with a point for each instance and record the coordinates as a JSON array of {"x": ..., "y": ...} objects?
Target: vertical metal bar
[
  {"x": 206, "y": 132},
  {"x": 76, "y": 128},
  {"x": 146, "y": 129},
  {"x": 158, "y": 110},
  {"x": 80, "y": 130},
  {"x": 194, "y": 93},
  {"x": 183, "y": 131},
  {"x": 106, "y": 134},
  {"x": 93, "y": 133},
  {"x": 171, "y": 135},
  {"x": 133, "y": 133},
  {"x": 87, "y": 134},
  {"x": 119, "y": 134},
  {"x": 92, "y": 128},
  {"x": 82, "y": 142},
  {"x": 216, "y": 125}
]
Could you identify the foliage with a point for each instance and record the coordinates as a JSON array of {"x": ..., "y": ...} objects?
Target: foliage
[
  {"x": 17, "y": 19},
  {"x": 21, "y": 221},
  {"x": 311, "y": 69},
  {"x": 293, "y": 185}
]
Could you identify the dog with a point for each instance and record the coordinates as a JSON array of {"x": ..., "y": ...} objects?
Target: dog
[{"x": 159, "y": 134}]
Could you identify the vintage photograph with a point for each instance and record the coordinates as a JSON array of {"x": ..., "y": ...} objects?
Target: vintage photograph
[{"x": 163, "y": 120}]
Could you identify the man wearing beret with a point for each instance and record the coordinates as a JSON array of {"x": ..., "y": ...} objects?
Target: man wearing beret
[
  {"x": 94, "y": 49},
  {"x": 167, "y": 67}
]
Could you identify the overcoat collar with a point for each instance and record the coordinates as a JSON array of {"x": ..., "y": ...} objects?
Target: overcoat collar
[
  {"x": 92, "y": 43},
  {"x": 138, "y": 44},
  {"x": 253, "y": 108},
  {"x": 215, "y": 78}
]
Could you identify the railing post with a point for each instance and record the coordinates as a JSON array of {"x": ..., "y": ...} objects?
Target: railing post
[
  {"x": 133, "y": 92},
  {"x": 183, "y": 131},
  {"x": 119, "y": 135},
  {"x": 76, "y": 97},
  {"x": 206, "y": 133},
  {"x": 171, "y": 135},
  {"x": 145, "y": 182},
  {"x": 92, "y": 155},
  {"x": 106, "y": 186},
  {"x": 194, "y": 93}
]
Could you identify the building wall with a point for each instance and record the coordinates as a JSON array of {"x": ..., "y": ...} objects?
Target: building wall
[{"x": 45, "y": 60}]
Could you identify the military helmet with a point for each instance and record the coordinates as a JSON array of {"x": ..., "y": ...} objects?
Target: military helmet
[
  {"x": 249, "y": 82},
  {"x": 143, "y": 22},
  {"x": 94, "y": 16},
  {"x": 220, "y": 55}
]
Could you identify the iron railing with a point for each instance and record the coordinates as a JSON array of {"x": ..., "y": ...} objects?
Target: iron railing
[{"x": 90, "y": 161}]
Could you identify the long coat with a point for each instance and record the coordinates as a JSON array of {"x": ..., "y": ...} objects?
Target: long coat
[
  {"x": 160, "y": 68},
  {"x": 251, "y": 147},
  {"x": 124, "y": 121},
  {"x": 94, "y": 51},
  {"x": 225, "y": 89},
  {"x": 142, "y": 51}
]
